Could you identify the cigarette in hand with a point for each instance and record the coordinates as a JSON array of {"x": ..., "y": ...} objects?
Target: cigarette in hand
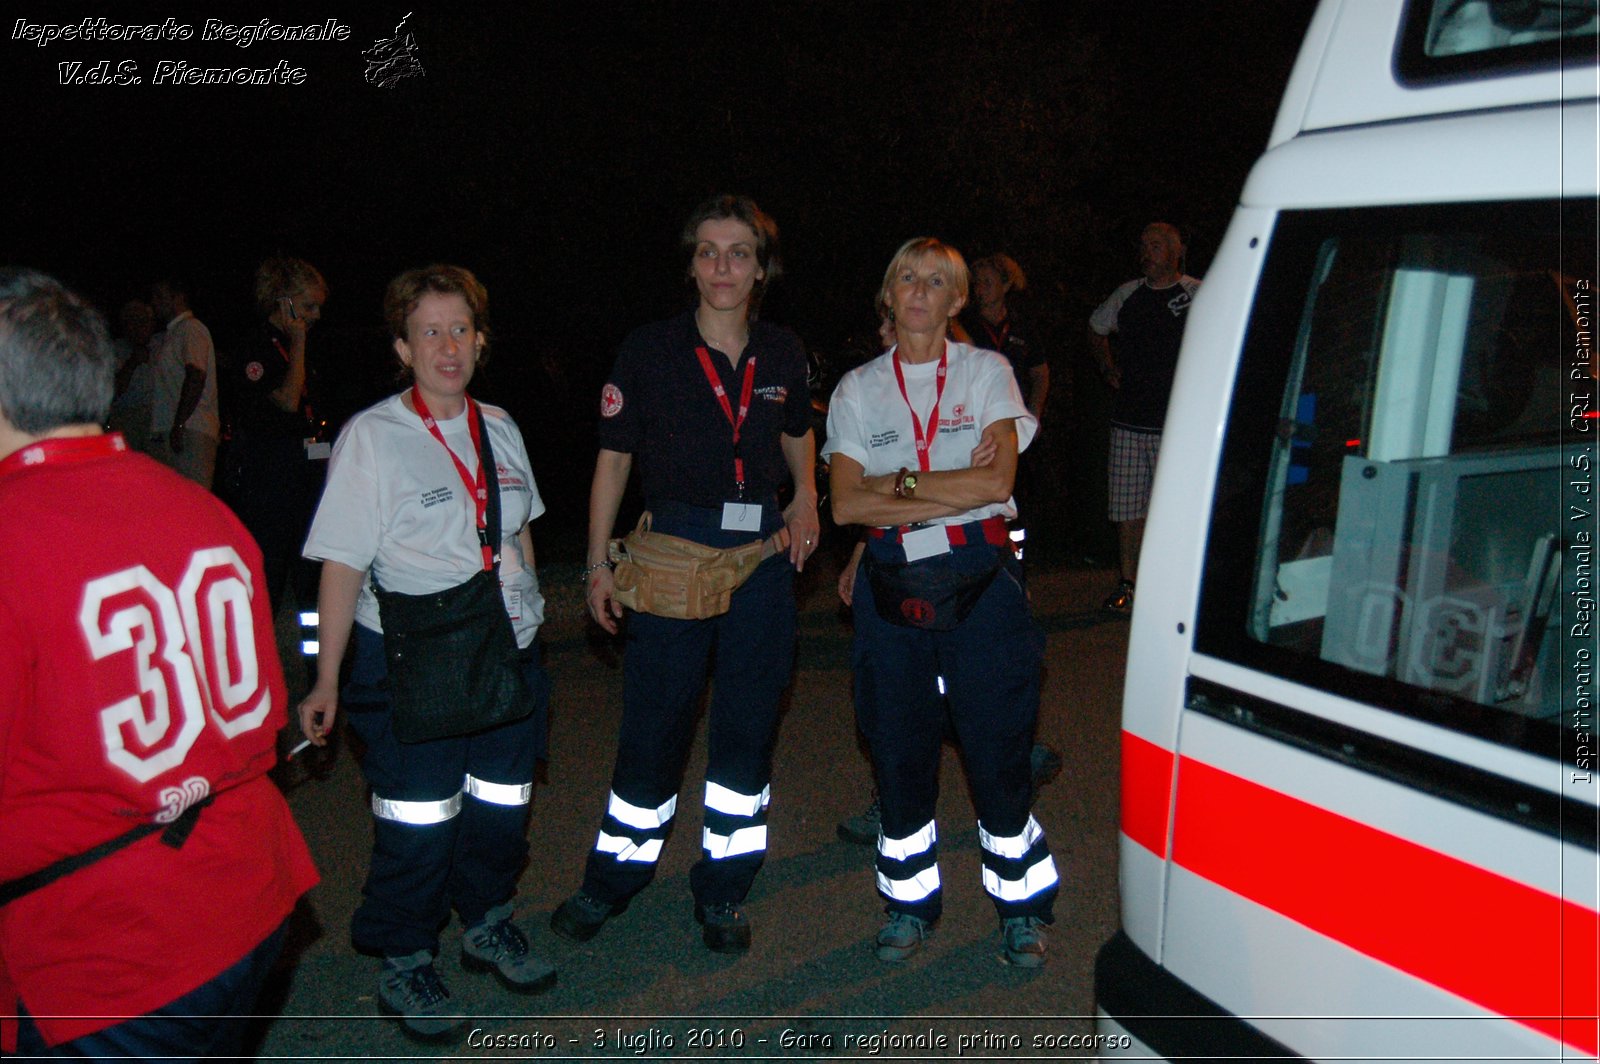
[{"x": 303, "y": 744}]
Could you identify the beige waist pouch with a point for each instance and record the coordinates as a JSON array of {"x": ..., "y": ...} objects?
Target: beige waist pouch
[{"x": 674, "y": 577}]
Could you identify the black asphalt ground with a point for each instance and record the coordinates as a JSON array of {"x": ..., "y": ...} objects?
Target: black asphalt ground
[{"x": 645, "y": 987}]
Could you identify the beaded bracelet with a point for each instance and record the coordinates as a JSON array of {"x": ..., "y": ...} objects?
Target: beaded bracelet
[{"x": 590, "y": 570}]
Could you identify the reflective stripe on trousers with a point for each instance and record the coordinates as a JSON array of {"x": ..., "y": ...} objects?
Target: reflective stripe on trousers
[
  {"x": 654, "y": 821},
  {"x": 728, "y": 831},
  {"x": 1017, "y": 867},
  {"x": 418, "y": 814},
  {"x": 498, "y": 793},
  {"x": 908, "y": 869}
]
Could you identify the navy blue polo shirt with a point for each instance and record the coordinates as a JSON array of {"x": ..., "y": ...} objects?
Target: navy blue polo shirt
[
  {"x": 1010, "y": 338},
  {"x": 658, "y": 406},
  {"x": 251, "y": 371}
]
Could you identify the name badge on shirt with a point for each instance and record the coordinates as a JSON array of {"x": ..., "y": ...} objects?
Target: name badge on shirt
[
  {"x": 514, "y": 603},
  {"x": 318, "y": 449},
  {"x": 741, "y": 517},
  {"x": 927, "y": 542}
]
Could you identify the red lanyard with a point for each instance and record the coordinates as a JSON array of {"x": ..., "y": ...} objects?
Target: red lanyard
[
  {"x": 63, "y": 449},
  {"x": 475, "y": 488},
  {"x": 745, "y": 391},
  {"x": 924, "y": 440}
]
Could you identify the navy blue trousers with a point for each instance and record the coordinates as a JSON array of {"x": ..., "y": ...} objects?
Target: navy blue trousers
[
  {"x": 990, "y": 666},
  {"x": 450, "y": 815},
  {"x": 664, "y": 672}
]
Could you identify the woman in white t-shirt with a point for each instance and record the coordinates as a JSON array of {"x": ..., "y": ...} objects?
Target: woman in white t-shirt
[
  {"x": 405, "y": 504},
  {"x": 940, "y": 615}
]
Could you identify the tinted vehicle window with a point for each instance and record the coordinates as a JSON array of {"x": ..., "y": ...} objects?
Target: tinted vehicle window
[
  {"x": 1453, "y": 39},
  {"x": 1393, "y": 518}
]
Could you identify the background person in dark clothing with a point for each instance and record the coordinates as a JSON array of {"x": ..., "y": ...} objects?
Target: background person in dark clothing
[
  {"x": 1147, "y": 315},
  {"x": 278, "y": 453},
  {"x": 995, "y": 327}
]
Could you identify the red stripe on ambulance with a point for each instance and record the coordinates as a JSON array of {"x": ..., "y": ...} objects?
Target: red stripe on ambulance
[
  {"x": 1508, "y": 947},
  {"x": 1146, "y": 785}
]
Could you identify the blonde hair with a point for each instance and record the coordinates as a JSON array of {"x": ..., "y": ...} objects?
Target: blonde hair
[
  {"x": 946, "y": 259},
  {"x": 281, "y": 276}
]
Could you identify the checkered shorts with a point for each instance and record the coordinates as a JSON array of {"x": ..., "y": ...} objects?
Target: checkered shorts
[{"x": 1128, "y": 473}]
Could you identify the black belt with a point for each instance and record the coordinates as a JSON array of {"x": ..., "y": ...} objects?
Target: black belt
[{"x": 174, "y": 834}]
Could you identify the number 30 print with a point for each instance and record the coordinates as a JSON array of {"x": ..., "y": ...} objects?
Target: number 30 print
[{"x": 195, "y": 654}]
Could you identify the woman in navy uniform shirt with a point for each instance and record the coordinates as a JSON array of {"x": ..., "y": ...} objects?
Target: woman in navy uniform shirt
[
  {"x": 713, "y": 408},
  {"x": 275, "y": 468}
]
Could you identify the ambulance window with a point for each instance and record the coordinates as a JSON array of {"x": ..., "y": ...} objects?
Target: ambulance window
[
  {"x": 1394, "y": 462},
  {"x": 1456, "y": 39}
]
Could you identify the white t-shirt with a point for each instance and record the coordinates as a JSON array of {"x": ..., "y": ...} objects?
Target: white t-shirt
[
  {"x": 869, "y": 421},
  {"x": 187, "y": 342},
  {"x": 395, "y": 503}
]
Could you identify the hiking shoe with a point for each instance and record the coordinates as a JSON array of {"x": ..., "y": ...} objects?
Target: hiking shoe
[
  {"x": 902, "y": 936},
  {"x": 863, "y": 828},
  {"x": 723, "y": 928},
  {"x": 410, "y": 988},
  {"x": 1120, "y": 600},
  {"x": 1023, "y": 938},
  {"x": 499, "y": 946},
  {"x": 580, "y": 916}
]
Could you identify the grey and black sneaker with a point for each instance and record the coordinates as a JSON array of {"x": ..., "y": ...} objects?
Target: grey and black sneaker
[
  {"x": 723, "y": 927},
  {"x": 902, "y": 936},
  {"x": 581, "y": 916},
  {"x": 410, "y": 988},
  {"x": 1120, "y": 600},
  {"x": 499, "y": 946},
  {"x": 1022, "y": 939},
  {"x": 863, "y": 828}
]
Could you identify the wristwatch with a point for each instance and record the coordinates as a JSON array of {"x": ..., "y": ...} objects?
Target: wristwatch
[{"x": 905, "y": 485}]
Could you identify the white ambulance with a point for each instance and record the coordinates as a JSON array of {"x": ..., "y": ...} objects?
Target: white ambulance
[{"x": 1359, "y": 812}]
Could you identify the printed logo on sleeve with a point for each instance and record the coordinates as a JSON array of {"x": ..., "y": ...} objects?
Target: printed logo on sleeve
[
  {"x": 255, "y": 371},
  {"x": 610, "y": 401}
]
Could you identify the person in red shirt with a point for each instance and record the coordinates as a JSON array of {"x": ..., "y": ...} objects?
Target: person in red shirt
[{"x": 149, "y": 864}]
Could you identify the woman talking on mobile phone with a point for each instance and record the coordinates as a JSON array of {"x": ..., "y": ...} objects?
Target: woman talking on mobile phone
[{"x": 277, "y": 451}]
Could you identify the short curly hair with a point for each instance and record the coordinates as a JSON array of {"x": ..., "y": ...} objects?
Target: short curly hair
[{"x": 407, "y": 290}]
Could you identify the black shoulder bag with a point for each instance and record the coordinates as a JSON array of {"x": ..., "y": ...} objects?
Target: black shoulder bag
[{"x": 452, "y": 656}]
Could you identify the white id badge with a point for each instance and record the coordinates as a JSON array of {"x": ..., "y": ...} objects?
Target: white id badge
[
  {"x": 927, "y": 542},
  {"x": 318, "y": 449},
  {"x": 514, "y": 603},
  {"x": 741, "y": 517}
]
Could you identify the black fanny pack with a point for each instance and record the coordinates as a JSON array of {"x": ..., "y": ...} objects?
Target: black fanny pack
[{"x": 934, "y": 594}]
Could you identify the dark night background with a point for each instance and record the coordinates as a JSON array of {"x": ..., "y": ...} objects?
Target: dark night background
[{"x": 555, "y": 149}]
